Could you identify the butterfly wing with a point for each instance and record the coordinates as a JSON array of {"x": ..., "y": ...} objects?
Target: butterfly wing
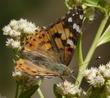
[
  {"x": 39, "y": 45},
  {"x": 52, "y": 48},
  {"x": 26, "y": 66},
  {"x": 65, "y": 33}
]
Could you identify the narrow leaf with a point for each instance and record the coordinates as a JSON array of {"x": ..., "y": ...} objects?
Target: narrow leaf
[
  {"x": 105, "y": 38},
  {"x": 79, "y": 51},
  {"x": 91, "y": 2}
]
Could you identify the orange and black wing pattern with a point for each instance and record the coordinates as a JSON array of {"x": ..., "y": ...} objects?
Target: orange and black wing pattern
[
  {"x": 48, "y": 50},
  {"x": 65, "y": 33}
]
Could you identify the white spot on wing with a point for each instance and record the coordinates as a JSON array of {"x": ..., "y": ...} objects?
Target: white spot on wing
[
  {"x": 81, "y": 17},
  {"x": 70, "y": 19},
  {"x": 73, "y": 14},
  {"x": 70, "y": 42},
  {"x": 76, "y": 27},
  {"x": 76, "y": 13}
]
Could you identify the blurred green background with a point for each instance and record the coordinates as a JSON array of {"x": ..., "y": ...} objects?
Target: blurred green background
[{"x": 41, "y": 12}]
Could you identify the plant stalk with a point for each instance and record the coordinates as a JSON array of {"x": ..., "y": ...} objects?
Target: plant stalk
[
  {"x": 17, "y": 90},
  {"x": 79, "y": 51},
  {"x": 39, "y": 90},
  {"x": 40, "y": 93},
  {"x": 91, "y": 51}
]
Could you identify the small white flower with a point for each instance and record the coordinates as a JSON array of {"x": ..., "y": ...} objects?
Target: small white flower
[
  {"x": 90, "y": 73},
  {"x": 26, "y": 27},
  {"x": 16, "y": 27},
  {"x": 6, "y": 30},
  {"x": 16, "y": 44},
  {"x": 13, "y": 23},
  {"x": 102, "y": 68},
  {"x": 68, "y": 88},
  {"x": 97, "y": 81},
  {"x": 106, "y": 73},
  {"x": 108, "y": 65},
  {"x": 16, "y": 73},
  {"x": 105, "y": 70},
  {"x": 9, "y": 41},
  {"x": 13, "y": 43},
  {"x": 14, "y": 33},
  {"x": 94, "y": 77},
  {"x": 29, "y": 28}
]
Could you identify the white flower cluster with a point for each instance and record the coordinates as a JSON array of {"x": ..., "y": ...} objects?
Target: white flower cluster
[
  {"x": 16, "y": 27},
  {"x": 24, "y": 78},
  {"x": 98, "y": 76},
  {"x": 15, "y": 30},
  {"x": 67, "y": 88},
  {"x": 13, "y": 43}
]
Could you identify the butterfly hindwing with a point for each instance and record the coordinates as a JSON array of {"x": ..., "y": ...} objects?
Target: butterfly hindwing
[{"x": 26, "y": 66}]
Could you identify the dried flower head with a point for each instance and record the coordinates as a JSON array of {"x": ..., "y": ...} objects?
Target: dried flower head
[
  {"x": 13, "y": 43},
  {"x": 15, "y": 30},
  {"x": 105, "y": 70},
  {"x": 98, "y": 77},
  {"x": 25, "y": 79},
  {"x": 16, "y": 27},
  {"x": 94, "y": 77},
  {"x": 69, "y": 89}
]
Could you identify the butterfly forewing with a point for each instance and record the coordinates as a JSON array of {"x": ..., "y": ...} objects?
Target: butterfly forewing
[
  {"x": 65, "y": 33},
  {"x": 40, "y": 45}
]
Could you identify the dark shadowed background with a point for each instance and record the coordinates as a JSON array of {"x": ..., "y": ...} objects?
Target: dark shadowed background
[{"x": 41, "y": 12}]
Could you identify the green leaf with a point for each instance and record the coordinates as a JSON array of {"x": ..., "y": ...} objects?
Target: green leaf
[
  {"x": 57, "y": 95},
  {"x": 79, "y": 52},
  {"x": 29, "y": 92},
  {"x": 103, "y": 5},
  {"x": 69, "y": 3},
  {"x": 91, "y": 2},
  {"x": 105, "y": 38}
]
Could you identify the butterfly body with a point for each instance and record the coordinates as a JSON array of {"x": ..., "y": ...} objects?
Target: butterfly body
[{"x": 49, "y": 50}]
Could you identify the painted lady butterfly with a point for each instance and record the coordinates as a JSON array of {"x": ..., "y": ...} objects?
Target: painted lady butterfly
[{"x": 50, "y": 49}]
